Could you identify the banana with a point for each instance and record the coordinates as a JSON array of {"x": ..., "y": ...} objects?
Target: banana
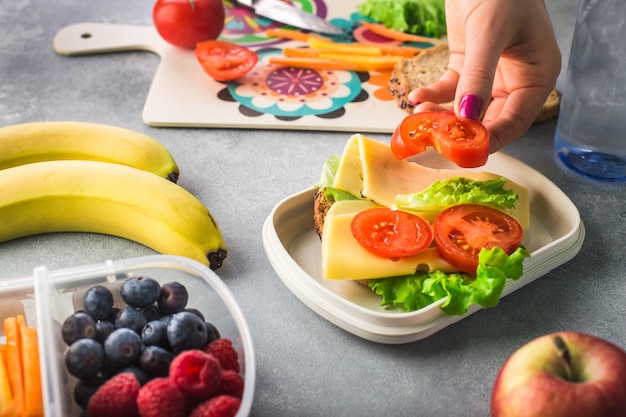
[
  {"x": 108, "y": 198},
  {"x": 44, "y": 141}
]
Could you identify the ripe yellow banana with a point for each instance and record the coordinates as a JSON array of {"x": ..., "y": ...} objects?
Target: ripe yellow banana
[
  {"x": 46, "y": 141},
  {"x": 108, "y": 198}
]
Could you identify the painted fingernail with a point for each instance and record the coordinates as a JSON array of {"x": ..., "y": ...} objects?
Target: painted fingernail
[
  {"x": 470, "y": 107},
  {"x": 414, "y": 103}
]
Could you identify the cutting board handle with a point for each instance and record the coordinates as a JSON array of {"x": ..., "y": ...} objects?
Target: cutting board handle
[{"x": 91, "y": 38}]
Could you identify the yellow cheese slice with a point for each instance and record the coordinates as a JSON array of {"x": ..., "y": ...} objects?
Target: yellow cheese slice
[
  {"x": 344, "y": 258},
  {"x": 369, "y": 169}
]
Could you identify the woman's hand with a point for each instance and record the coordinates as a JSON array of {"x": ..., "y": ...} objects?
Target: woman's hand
[{"x": 504, "y": 61}]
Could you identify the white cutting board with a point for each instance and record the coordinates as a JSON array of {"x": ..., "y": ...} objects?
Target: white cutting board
[{"x": 181, "y": 94}]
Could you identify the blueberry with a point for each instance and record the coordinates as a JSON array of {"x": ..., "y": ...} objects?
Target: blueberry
[
  {"x": 196, "y": 312},
  {"x": 111, "y": 317},
  {"x": 152, "y": 313},
  {"x": 77, "y": 326},
  {"x": 122, "y": 347},
  {"x": 166, "y": 319},
  {"x": 186, "y": 331},
  {"x": 212, "y": 332},
  {"x": 98, "y": 302},
  {"x": 155, "y": 361},
  {"x": 154, "y": 333},
  {"x": 140, "y": 292},
  {"x": 173, "y": 298},
  {"x": 130, "y": 318},
  {"x": 85, "y": 388},
  {"x": 84, "y": 358},
  {"x": 103, "y": 330},
  {"x": 141, "y": 375}
]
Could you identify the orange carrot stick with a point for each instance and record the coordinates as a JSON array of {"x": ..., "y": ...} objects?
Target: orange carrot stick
[
  {"x": 366, "y": 61},
  {"x": 396, "y": 35},
  {"x": 303, "y": 52},
  {"x": 312, "y": 63},
  {"x": 294, "y": 35},
  {"x": 5, "y": 386},
  {"x": 33, "y": 394},
  {"x": 344, "y": 48},
  {"x": 322, "y": 63},
  {"x": 14, "y": 358},
  {"x": 405, "y": 51}
]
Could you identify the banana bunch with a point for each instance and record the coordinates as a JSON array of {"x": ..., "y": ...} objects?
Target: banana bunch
[
  {"x": 46, "y": 141},
  {"x": 100, "y": 179}
]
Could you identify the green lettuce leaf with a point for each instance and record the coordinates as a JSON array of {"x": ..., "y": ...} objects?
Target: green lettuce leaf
[
  {"x": 413, "y": 292},
  {"x": 452, "y": 191},
  {"x": 424, "y": 17}
]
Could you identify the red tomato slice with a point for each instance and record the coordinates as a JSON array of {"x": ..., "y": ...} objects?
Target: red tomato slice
[
  {"x": 462, "y": 231},
  {"x": 398, "y": 147},
  {"x": 463, "y": 141},
  {"x": 225, "y": 61},
  {"x": 391, "y": 233}
]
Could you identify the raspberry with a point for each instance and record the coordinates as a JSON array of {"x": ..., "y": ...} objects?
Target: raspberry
[
  {"x": 161, "y": 397},
  {"x": 220, "y": 406},
  {"x": 116, "y": 397},
  {"x": 232, "y": 384},
  {"x": 224, "y": 351},
  {"x": 196, "y": 373}
]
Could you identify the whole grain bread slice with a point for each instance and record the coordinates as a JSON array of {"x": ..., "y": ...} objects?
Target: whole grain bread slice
[
  {"x": 428, "y": 66},
  {"x": 418, "y": 71}
]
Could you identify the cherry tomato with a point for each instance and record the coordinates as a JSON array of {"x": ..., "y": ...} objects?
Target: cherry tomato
[
  {"x": 225, "y": 61},
  {"x": 463, "y": 141},
  {"x": 391, "y": 233},
  {"x": 184, "y": 23},
  {"x": 462, "y": 231}
]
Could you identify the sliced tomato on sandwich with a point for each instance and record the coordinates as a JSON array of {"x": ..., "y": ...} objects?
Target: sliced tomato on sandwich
[
  {"x": 391, "y": 233},
  {"x": 462, "y": 231},
  {"x": 463, "y": 141}
]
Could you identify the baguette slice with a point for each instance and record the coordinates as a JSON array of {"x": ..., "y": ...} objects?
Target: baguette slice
[{"x": 428, "y": 67}]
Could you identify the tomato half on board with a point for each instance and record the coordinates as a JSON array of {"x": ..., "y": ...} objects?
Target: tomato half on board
[
  {"x": 463, "y": 141},
  {"x": 462, "y": 231},
  {"x": 391, "y": 233},
  {"x": 225, "y": 61}
]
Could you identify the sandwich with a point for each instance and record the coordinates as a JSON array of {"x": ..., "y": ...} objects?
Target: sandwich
[
  {"x": 482, "y": 214},
  {"x": 428, "y": 66}
]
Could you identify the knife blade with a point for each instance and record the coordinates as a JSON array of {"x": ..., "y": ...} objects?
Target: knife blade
[{"x": 283, "y": 12}]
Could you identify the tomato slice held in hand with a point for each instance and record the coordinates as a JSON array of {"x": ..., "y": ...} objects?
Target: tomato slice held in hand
[
  {"x": 391, "y": 233},
  {"x": 463, "y": 141},
  {"x": 398, "y": 147},
  {"x": 225, "y": 61},
  {"x": 462, "y": 231}
]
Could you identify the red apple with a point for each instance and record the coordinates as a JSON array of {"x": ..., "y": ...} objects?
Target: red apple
[{"x": 562, "y": 374}]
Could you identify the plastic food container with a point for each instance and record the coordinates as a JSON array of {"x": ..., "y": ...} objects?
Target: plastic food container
[
  {"x": 48, "y": 296},
  {"x": 555, "y": 236}
]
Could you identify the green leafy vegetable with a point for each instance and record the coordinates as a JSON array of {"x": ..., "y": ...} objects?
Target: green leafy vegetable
[
  {"x": 452, "y": 191},
  {"x": 413, "y": 292},
  {"x": 423, "y": 17}
]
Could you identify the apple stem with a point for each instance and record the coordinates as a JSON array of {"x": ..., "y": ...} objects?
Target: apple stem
[{"x": 565, "y": 356}]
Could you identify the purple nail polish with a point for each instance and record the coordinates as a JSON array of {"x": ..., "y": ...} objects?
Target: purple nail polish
[{"x": 470, "y": 107}]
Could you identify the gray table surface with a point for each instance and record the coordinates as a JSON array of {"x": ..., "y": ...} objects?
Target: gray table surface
[{"x": 306, "y": 366}]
